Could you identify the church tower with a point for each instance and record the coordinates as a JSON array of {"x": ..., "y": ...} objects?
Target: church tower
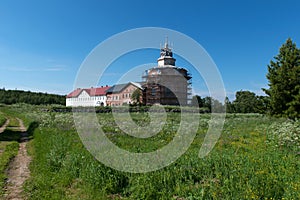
[
  {"x": 166, "y": 84},
  {"x": 166, "y": 56}
]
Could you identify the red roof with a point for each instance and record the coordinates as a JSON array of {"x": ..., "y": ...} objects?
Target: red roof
[
  {"x": 97, "y": 91},
  {"x": 75, "y": 93},
  {"x": 100, "y": 91}
]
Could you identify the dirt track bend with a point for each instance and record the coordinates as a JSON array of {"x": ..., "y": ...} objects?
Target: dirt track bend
[{"x": 3, "y": 127}]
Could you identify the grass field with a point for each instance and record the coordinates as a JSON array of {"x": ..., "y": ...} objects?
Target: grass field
[{"x": 248, "y": 162}]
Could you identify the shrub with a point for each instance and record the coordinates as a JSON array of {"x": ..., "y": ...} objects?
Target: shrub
[{"x": 286, "y": 134}]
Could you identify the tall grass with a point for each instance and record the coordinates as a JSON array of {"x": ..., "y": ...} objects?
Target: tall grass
[{"x": 243, "y": 164}]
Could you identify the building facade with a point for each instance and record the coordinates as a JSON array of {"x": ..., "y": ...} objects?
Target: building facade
[
  {"x": 87, "y": 97},
  {"x": 120, "y": 94}
]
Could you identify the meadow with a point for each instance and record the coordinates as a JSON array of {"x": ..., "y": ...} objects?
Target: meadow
[{"x": 256, "y": 157}]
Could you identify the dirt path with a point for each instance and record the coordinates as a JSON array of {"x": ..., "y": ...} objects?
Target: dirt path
[
  {"x": 3, "y": 127},
  {"x": 18, "y": 170}
]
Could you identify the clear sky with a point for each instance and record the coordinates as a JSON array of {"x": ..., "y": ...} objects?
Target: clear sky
[{"x": 43, "y": 43}]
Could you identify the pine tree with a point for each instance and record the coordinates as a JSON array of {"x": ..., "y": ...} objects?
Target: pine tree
[{"x": 284, "y": 81}]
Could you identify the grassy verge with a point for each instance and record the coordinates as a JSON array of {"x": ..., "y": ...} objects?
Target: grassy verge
[
  {"x": 8, "y": 150},
  {"x": 2, "y": 119}
]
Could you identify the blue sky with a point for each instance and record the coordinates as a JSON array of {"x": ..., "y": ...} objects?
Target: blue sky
[{"x": 43, "y": 43}]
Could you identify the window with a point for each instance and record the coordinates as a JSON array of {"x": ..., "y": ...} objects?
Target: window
[{"x": 153, "y": 91}]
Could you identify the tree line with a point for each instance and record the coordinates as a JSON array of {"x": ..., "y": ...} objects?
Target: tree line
[
  {"x": 282, "y": 97},
  {"x": 35, "y": 98},
  {"x": 245, "y": 102}
]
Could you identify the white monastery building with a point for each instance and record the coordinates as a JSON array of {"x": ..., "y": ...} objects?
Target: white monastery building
[{"x": 87, "y": 97}]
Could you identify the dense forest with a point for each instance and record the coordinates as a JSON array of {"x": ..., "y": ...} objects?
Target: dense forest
[{"x": 35, "y": 98}]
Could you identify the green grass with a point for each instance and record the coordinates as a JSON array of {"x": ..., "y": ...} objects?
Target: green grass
[
  {"x": 8, "y": 150},
  {"x": 13, "y": 122},
  {"x": 243, "y": 165},
  {"x": 21, "y": 111},
  {"x": 2, "y": 119}
]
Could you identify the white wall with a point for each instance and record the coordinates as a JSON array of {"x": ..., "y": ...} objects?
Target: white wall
[{"x": 84, "y": 99}]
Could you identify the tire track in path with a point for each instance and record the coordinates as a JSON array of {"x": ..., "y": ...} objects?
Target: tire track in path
[
  {"x": 18, "y": 170},
  {"x": 3, "y": 127}
]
